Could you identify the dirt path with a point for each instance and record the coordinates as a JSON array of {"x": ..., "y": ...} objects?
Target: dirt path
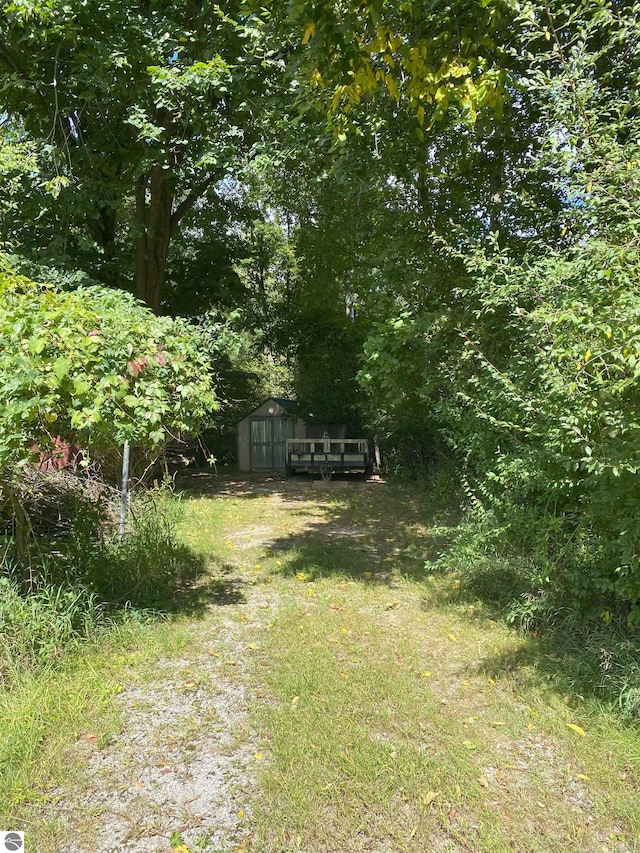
[{"x": 183, "y": 768}]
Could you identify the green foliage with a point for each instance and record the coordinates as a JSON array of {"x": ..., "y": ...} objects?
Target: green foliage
[
  {"x": 425, "y": 58},
  {"x": 39, "y": 629},
  {"x": 95, "y": 367},
  {"x": 91, "y": 583},
  {"x": 137, "y": 112},
  {"x": 528, "y": 364},
  {"x": 147, "y": 569}
]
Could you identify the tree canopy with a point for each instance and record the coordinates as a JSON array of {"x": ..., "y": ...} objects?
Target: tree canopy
[{"x": 420, "y": 218}]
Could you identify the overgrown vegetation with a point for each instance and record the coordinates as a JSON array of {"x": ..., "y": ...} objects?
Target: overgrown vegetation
[
  {"x": 421, "y": 220},
  {"x": 88, "y": 582}
]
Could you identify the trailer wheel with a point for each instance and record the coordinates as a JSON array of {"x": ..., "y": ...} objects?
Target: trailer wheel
[{"x": 325, "y": 472}]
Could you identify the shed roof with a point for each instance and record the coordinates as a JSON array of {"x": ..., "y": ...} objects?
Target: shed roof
[{"x": 291, "y": 406}]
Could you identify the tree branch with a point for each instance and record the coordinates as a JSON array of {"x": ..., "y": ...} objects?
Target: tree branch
[{"x": 189, "y": 200}]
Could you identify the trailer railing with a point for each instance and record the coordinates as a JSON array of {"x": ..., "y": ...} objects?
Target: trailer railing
[{"x": 328, "y": 454}]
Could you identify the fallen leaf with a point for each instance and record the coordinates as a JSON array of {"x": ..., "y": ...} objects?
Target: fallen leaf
[
  {"x": 295, "y": 701},
  {"x": 429, "y": 797},
  {"x": 582, "y": 776},
  {"x": 483, "y": 782},
  {"x": 451, "y": 814},
  {"x": 577, "y": 729},
  {"x": 453, "y": 638},
  {"x": 258, "y": 756},
  {"x": 188, "y": 684}
]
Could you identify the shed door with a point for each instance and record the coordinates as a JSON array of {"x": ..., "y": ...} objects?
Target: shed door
[{"x": 269, "y": 442}]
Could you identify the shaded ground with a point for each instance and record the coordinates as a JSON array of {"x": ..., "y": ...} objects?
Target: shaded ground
[{"x": 435, "y": 739}]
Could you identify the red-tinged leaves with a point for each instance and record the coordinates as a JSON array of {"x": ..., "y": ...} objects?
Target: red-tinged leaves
[{"x": 136, "y": 366}]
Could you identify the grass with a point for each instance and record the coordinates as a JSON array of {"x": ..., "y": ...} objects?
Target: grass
[
  {"x": 388, "y": 726},
  {"x": 391, "y": 713},
  {"x": 404, "y": 715}
]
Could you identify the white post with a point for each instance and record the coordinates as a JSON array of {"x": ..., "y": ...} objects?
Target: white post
[{"x": 125, "y": 489}]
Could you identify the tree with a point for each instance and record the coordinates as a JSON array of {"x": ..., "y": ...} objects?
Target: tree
[
  {"x": 527, "y": 364},
  {"x": 141, "y": 108}
]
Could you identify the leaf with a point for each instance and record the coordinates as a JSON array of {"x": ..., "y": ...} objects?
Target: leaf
[
  {"x": 309, "y": 31},
  {"x": 429, "y": 797},
  {"x": 259, "y": 756},
  {"x": 61, "y": 367},
  {"x": 577, "y": 729}
]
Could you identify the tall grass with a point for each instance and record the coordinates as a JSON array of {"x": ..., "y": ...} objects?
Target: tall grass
[
  {"x": 589, "y": 649},
  {"x": 90, "y": 581}
]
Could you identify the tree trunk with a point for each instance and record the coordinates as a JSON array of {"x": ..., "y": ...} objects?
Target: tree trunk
[{"x": 154, "y": 204}]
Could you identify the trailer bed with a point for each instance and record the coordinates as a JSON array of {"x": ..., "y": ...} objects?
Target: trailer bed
[{"x": 328, "y": 455}]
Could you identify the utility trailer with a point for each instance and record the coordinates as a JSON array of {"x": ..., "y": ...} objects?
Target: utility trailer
[{"x": 328, "y": 455}]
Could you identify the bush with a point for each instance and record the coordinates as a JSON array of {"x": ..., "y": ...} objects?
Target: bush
[{"x": 91, "y": 367}]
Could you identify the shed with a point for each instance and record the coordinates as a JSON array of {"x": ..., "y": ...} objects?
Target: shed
[{"x": 262, "y": 435}]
